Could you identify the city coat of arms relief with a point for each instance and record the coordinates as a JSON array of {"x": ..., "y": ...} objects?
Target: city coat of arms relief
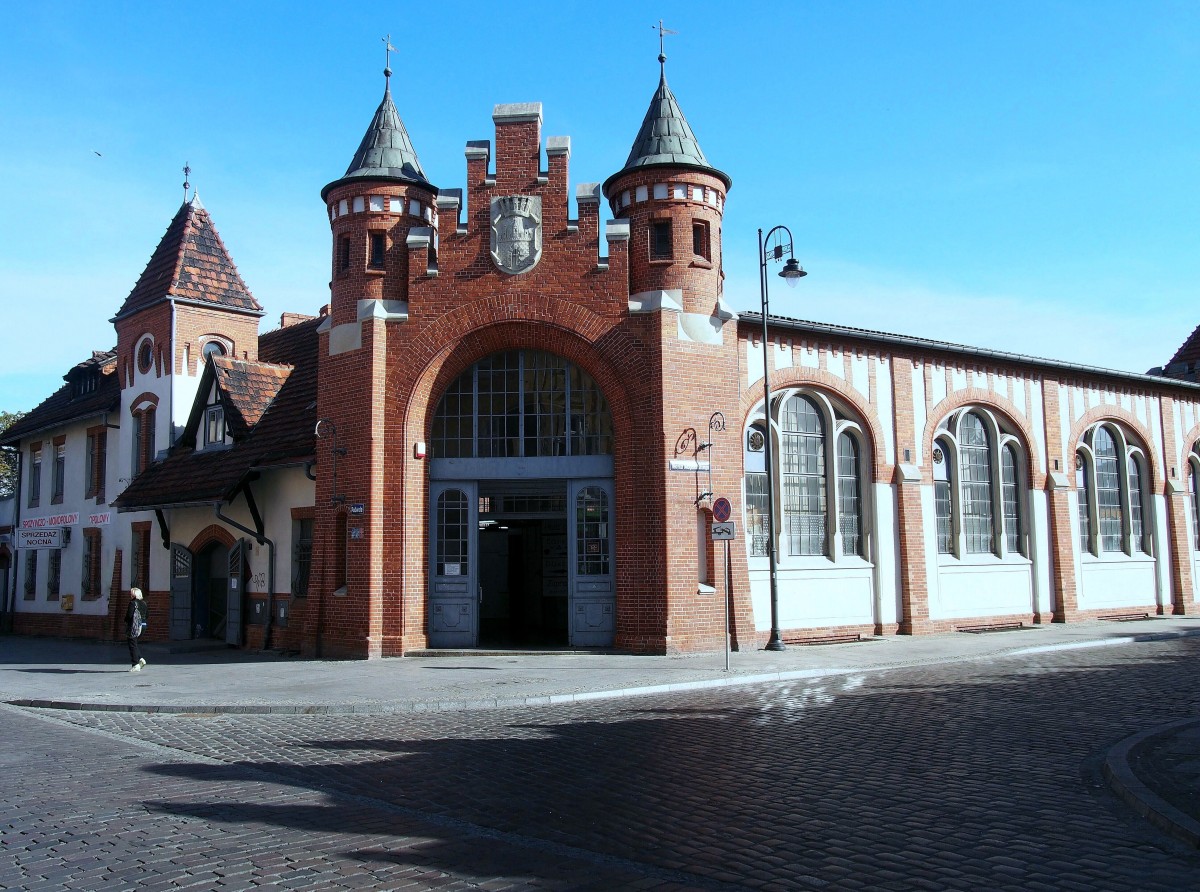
[{"x": 516, "y": 233}]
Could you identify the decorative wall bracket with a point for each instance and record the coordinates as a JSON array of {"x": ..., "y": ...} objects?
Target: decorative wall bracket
[{"x": 326, "y": 426}]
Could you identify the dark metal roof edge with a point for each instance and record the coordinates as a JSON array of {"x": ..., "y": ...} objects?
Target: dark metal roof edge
[
  {"x": 186, "y": 301},
  {"x": 677, "y": 165},
  {"x": 379, "y": 178},
  {"x": 12, "y": 441},
  {"x": 948, "y": 347}
]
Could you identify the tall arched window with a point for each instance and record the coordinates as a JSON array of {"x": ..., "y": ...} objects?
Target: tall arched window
[
  {"x": 1111, "y": 482},
  {"x": 803, "y": 464},
  {"x": 818, "y": 452},
  {"x": 978, "y": 496},
  {"x": 1194, "y": 494}
]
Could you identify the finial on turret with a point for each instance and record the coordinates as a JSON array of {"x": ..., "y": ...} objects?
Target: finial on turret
[
  {"x": 662, "y": 55},
  {"x": 186, "y": 185},
  {"x": 387, "y": 61}
]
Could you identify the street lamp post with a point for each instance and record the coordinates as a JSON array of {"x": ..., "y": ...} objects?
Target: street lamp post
[{"x": 777, "y": 241}]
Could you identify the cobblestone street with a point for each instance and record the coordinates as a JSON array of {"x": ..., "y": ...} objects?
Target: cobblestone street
[{"x": 969, "y": 775}]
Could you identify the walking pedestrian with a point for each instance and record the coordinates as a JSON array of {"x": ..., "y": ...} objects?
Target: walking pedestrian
[{"x": 135, "y": 621}]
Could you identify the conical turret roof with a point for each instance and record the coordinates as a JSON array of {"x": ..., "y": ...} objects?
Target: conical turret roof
[
  {"x": 386, "y": 152},
  {"x": 666, "y": 139},
  {"x": 192, "y": 264}
]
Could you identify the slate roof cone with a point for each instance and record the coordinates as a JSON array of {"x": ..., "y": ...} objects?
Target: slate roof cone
[
  {"x": 386, "y": 152},
  {"x": 191, "y": 263},
  {"x": 665, "y": 138}
]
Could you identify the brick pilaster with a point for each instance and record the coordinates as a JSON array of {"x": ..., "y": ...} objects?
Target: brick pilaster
[{"x": 914, "y": 578}]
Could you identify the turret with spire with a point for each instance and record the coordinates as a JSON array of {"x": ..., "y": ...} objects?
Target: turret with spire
[
  {"x": 382, "y": 198},
  {"x": 673, "y": 199}
]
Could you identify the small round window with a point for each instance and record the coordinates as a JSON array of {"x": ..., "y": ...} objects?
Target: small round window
[
  {"x": 214, "y": 348},
  {"x": 145, "y": 356}
]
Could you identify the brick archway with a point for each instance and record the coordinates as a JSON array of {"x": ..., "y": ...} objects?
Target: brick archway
[
  {"x": 993, "y": 402},
  {"x": 1126, "y": 419},
  {"x": 211, "y": 534}
]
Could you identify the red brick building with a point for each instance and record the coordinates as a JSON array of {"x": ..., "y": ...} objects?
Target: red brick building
[{"x": 510, "y": 425}]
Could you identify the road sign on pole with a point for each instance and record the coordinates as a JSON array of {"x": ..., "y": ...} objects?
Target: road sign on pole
[
  {"x": 723, "y": 531},
  {"x": 722, "y": 510}
]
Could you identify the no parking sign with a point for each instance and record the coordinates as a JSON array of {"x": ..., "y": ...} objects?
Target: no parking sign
[{"x": 722, "y": 510}]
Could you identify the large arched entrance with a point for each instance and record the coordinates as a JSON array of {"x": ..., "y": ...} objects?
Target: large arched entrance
[{"x": 521, "y": 507}]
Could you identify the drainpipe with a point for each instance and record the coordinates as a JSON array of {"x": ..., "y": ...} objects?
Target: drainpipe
[{"x": 261, "y": 540}]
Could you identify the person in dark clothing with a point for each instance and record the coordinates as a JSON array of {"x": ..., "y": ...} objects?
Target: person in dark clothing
[{"x": 135, "y": 620}]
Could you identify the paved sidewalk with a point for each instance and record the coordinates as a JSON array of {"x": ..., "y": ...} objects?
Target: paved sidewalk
[{"x": 1157, "y": 771}]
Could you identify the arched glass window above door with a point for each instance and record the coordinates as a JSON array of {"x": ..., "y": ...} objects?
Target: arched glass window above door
[{"x": 522, "y": 404}]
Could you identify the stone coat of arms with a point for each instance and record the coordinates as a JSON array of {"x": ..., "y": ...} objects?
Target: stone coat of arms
[{"x": 516, "y": 233}]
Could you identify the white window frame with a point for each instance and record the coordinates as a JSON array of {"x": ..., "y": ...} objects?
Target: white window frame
[
  {"x": 836, "y": 419},
  {"x": 999, "y": 435},
  {"x": 1126, "y": 450}
]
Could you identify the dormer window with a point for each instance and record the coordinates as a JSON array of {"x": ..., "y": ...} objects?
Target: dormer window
[
  {"x": 214, "y": 425},
  {"x": 83, "y": 383}
]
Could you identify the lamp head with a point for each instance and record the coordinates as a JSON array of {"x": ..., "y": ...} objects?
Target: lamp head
[{"x": 792, "y": 272}]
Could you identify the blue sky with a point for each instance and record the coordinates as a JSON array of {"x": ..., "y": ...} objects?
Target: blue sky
[{"x": 1022, "y": 176}]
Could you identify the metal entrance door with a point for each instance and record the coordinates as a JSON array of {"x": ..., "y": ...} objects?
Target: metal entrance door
[
  {"x": 181, "y": 593},
  {"x": 453, "y": 570},
  {"x": 592, "y": 586},
  {"x": 235, "y": 592}
]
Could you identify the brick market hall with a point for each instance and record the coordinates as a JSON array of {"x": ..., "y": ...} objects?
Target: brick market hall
[{"x": 511, "y": 423}]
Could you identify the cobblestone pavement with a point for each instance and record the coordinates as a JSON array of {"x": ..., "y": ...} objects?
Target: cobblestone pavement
[{"x": 982, "y": 775}]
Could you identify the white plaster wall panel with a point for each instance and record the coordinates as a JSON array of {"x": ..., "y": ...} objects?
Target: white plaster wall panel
[
  {"x": 1181, "y": 426},
  {"x": 1156, "y": 435},
  {"x": 887, "y": 544},
  {"x": 1066, "y": 418},
  {"x": 1073, "y": 517},
  {"x": 929, "y": 538},
  {"x": 920, "y": 418},
  {"x": 1189, "y": 415},
  {"x": 277, "y": 494},
  {"x": 1125, "y": 401},
  {"x": 1092, "y": 398},
  {"x": 1109, "y": 398},
  {"x": 1162, "y": 548},
  {"x": 937, "y": 388},
  {"x": 1139, "y": 409},
  {"x": 834, "y": 363},
  {"x": 815, "y": 598},
  {"x": 1018, "y": 396},
  {"x": 1118, "y": 585},
  {"x": 979, "y": 379},
  {"x": 1039, "y": 536},
  {"x": 958, "y": 379},
  {"x": 1000, "y": 385},
  {"x": 883, "y": 404},
  {"x": 973, "y": 590},
  {"x": 754, "y": 361},
  {"x": 1037, "y": 421},
  {"x": 860, "y": 378},
  {"x": 809, "y": 358},
  {"x": 782, "y": 354}
]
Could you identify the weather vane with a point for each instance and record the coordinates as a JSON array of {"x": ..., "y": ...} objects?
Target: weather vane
[
  {"x": 387, "y": 56},
  {"x": 186, "y": 185},
  {"x": 662, "y": 55}
]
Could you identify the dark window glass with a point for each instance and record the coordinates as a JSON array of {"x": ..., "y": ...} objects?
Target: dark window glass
[
  {"x": 35, "y": 477},
  {"x": 975, "y": 469},
  {"x": 302, "y": 557},
  {"x": 591, "y": 532},
  {"x": 803, "y": 466},
  {"x": 1139, "y": 541},
  {"x": 54, "y": 575},
  {"x": 660, "y": 240},
  {"x": 213, "y": 348},
  {"x": 60, "y": 472},
  {"x": 1084, "y": 494},
  {"x": 1012, "y": 500},
  {"x": 849, "y": 496},
  {"x": 31, "y": 574},
  {"x": 378, "y": 250},
  {"x": 452, "y": 534},
  {"x": 91, "y": 565},
  {"x": 1108, "y": 490},
  {"x": 700, "y": 242}
]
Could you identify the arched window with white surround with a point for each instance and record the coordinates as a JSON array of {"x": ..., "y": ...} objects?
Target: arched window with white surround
[
  {"x": 1194, "y": 494},
  {"x": 978, "y": 492},
  {"x": 1111, "y": 481},
  {"x": 821, "y": 477}
]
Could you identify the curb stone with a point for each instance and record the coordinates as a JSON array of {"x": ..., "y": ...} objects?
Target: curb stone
[{"x": 1125, "y": 783}]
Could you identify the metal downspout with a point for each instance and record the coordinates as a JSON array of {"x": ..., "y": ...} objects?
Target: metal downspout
[{"x": 261, "y": 539}]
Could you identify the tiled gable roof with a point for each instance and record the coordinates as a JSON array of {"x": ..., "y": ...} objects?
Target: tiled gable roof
[
  {"x": 247, "y": 389},
  {"x": 191, "y": 263},
  {"x": 1186, "y": 361},
  {"x": 62, "y": 407},
  {"x": 277, "y": 397}
]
